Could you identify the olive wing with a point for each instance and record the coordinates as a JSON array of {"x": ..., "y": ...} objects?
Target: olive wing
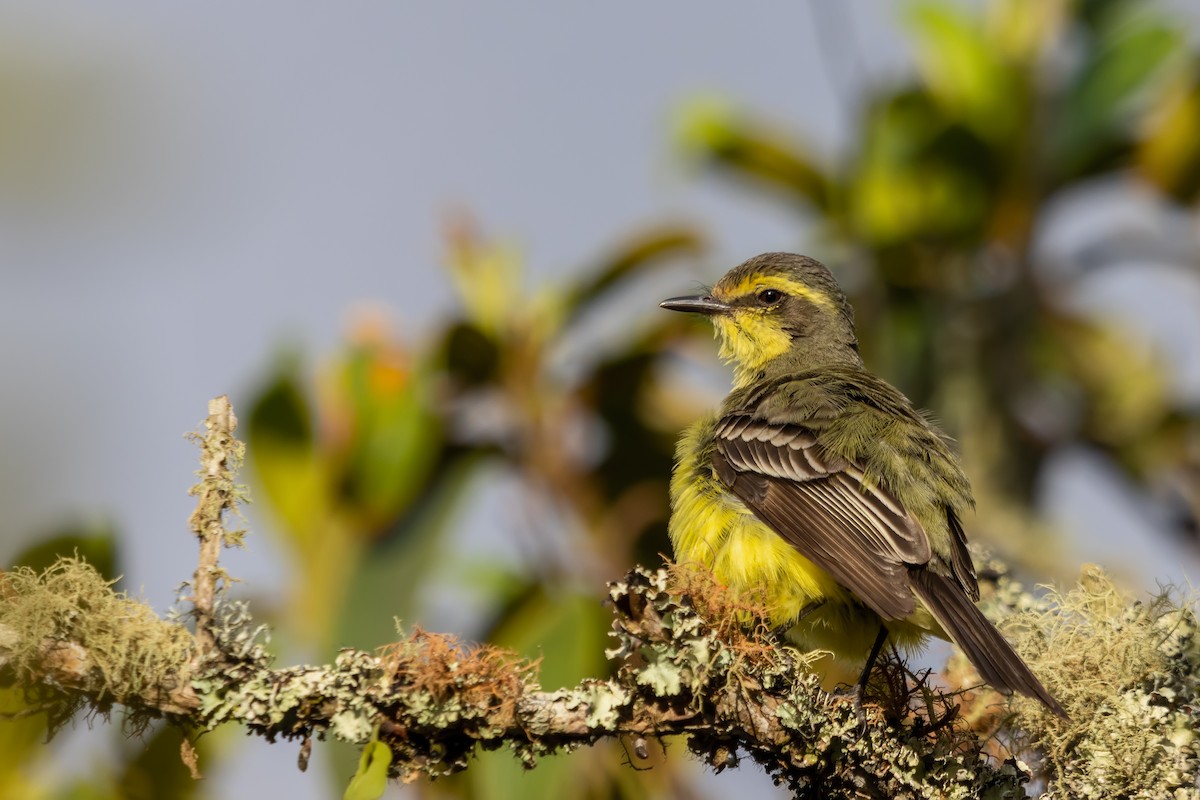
[{"x": 821, "y": 504}]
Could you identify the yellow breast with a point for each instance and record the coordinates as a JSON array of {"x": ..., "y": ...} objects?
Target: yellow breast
[{"x": 712, "y": 527}]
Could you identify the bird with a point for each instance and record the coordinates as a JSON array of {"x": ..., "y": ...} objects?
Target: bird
[{"x": 818, "y": 486}]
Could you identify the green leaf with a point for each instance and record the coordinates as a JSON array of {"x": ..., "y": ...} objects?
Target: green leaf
[
  {"x": 1169, "y": 154},
  {"x": 397, "y": 437},
  {"x": 644, "y": 251},
  {"x": 1097, "y": 113},
  {"x": 710, "y": 130},
  {"x": 963, "y": 69},
  {"x": 370, "y": 782},
  {"x": 920, "y": 175},
  {"x": 281, "y": 410},
  {"x": 488, "y": 277},
  {"x": 1021, "y": 31},
  {"x": 291, "y": 476}
]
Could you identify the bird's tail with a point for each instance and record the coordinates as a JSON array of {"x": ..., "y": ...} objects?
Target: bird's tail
[{"x": 966, "y": 625}]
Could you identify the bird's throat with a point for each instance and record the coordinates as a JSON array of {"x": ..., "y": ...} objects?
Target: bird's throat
[{"x": 749, "y": 344}]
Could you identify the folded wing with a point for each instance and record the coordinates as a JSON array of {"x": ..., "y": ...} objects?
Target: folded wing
[{"x": 855, "y": 531}]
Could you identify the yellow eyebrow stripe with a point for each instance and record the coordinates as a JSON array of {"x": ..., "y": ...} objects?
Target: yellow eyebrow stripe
[{"x": 756, "y": 283}]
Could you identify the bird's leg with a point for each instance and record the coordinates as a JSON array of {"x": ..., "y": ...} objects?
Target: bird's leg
[
  {"x": 858, "y": 691},
  {"x": 880, "y": 638},
  {"x": 860, "y": 688}
]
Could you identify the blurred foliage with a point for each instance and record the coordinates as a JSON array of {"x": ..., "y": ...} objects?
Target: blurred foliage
[
  {"x": 369, "y": 472},
  {"x": 933, "y": 217}
]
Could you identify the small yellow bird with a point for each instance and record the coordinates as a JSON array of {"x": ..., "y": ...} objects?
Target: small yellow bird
[{"x": 818, "y": 486}]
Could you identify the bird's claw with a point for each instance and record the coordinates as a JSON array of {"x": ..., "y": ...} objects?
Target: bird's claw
[{"x": 854, "y": 695}]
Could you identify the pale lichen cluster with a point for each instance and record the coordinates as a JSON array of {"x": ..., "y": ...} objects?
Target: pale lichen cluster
[
  {"x": 1128, "y": 672},
  {"x": 738, "y": 695}
]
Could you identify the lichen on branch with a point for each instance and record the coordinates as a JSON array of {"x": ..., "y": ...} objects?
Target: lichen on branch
[
  {"x": 218, "y": 492},
  {"x": 70, "y": 639},
  {"x": 1126, "y": 669},
  {"x": 434, "y": 701},
  {"x": 693, "y": 663}
]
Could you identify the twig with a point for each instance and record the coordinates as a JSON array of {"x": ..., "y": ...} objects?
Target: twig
[{"x": 220, "y": 456}]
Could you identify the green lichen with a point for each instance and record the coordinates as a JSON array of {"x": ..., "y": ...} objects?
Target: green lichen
[
  {"x": 740, "y": 691},
  {"x": 605, "y": 703},
  {"x": 125, "y": 653},
  {"x": 663, "y": 678}
]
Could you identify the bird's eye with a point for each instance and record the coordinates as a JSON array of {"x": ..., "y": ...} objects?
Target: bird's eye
[{"x": 769, "y": 297}]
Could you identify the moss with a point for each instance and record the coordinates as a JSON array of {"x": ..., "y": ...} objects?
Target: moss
[
  {"x": 1127, "y": 671},
  {"x": 66, "y": 624}
]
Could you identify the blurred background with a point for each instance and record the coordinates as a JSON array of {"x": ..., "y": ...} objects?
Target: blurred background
[{"x": 422, "y": 246}]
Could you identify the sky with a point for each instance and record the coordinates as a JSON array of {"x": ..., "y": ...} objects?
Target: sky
[{"x": 186, "y": 189}]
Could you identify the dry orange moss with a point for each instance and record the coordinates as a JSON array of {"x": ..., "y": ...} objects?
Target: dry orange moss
[{"x": 441, "y": 666}]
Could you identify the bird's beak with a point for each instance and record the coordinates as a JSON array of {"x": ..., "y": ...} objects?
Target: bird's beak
[{"x": 700, "y": 305}]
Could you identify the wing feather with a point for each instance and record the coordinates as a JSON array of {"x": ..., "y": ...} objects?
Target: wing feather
[
  {"x": 822, "y": 505},
  {"x": 804, "y": 521},
  {"x": 960, "y": 557}
]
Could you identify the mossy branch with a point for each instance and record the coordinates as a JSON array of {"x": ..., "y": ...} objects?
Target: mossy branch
[
  {"x": 689, "y": 666},
  {"x": 435, "y": 700},
  {"x": 71, "y": 640},
  {"x": 66, "y": 635}
]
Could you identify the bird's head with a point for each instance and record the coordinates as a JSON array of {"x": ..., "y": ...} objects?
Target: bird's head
[{"x": 777, "y": 311}]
